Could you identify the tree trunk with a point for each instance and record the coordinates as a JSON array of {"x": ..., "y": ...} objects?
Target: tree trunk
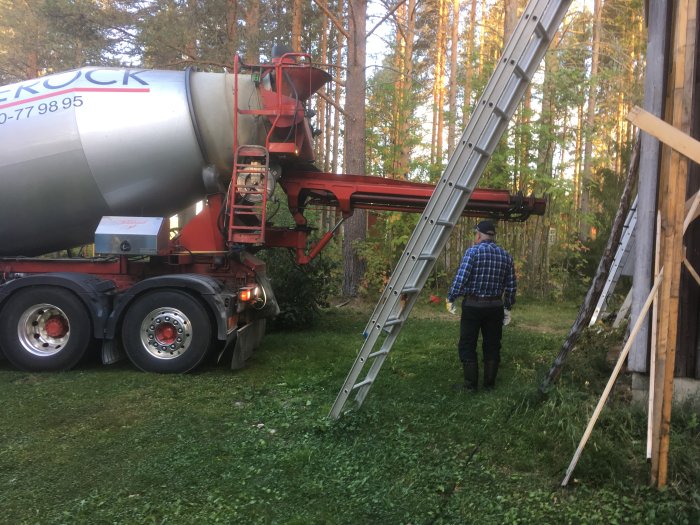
[
  {"x": 468, "y": 65},
  {"x": 323, "y": 142},
  {"x": 452, "y": 124},
  {"x": 231, "y": 30},
  {"x": 586, "y": 175},
  {"x": 297, "y": 10},
  {"x": 191, "y": 38},
  {"x": 510, "y": 19},
  {"x": 336, "y": 96},
  {"x": 356, "y": 225},
  {"x": 252, "y": 26},
  {"x": 439, "y": 84},
  {"x": 405, "y": 106}
]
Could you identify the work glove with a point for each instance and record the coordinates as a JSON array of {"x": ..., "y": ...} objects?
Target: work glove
[
  {"x": 506, "y": 317},
  {"x": 450, "y": 307}
]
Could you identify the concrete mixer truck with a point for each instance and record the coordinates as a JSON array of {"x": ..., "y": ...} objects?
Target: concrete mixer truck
[{"x": 103, "y": 156}]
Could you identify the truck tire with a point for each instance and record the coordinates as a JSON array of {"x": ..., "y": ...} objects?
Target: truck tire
[
  {"x": 44, "y": 329},
  {"x": 166, "y": 331}
]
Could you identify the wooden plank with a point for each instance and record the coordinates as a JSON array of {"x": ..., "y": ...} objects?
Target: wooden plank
[
  {"x": 652, "y": 353},
  {"x": 691, "y": 270},
  {"x": 692, "y": 207},
  {"x": 672, "y": 137}
]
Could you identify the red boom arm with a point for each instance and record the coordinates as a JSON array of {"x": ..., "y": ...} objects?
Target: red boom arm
[{"x": 348, "y": 192}]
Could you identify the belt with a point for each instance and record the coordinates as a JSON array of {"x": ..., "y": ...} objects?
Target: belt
[{"x": 479, "y": 298}]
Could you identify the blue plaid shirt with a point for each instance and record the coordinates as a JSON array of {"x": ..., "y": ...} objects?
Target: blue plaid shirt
[{"x": 486, "y": 270}]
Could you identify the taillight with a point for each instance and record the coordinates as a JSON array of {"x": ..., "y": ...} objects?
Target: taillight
[{"x": 246, "y": 295}]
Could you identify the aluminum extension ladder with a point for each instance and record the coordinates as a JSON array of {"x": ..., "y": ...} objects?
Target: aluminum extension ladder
[
  {"x": 619, "y": 262},
  {"x": 521, "y": 58}
]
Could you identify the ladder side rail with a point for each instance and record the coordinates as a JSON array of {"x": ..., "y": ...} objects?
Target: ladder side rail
[
  {"x": 382, "y": 355},
  {"x": 351, "y": 381},
  {"x": 487, "y": 124},
  {"x": 623, "y": 250},
  {"x": 618, "y": 264}
]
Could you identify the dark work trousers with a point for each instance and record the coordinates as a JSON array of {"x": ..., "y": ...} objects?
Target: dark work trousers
[{"x": 485, "y": 319}]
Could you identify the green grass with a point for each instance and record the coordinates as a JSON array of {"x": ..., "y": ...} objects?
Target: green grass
[{"x": 112, "y": 445}]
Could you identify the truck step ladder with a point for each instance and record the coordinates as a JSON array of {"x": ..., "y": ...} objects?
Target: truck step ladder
[
  {"x": 621, "y": 257},
  {"x": 247, "y": 199},
  {"x": 489, "y": 120}
]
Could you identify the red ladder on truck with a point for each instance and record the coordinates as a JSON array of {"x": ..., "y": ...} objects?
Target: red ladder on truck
[
  {"x": 247, "y": 198},
  {"x": 493, "y": 111}
]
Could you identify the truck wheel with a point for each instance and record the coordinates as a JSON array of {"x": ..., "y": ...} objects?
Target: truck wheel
[
  {"x": 44, "y": 329},
  {"x": 166, "y": 331}
]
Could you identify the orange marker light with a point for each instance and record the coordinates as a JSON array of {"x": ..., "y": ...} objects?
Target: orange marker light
[{"x": 245, "y": 295}]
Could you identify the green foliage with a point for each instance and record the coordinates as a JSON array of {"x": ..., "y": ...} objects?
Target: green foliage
[
  {"x": 391, "y": 111},
  {"x": 49, "y": 36},
  {"x": 383, "y": 247},
  {"x": 300, "y": 290}
]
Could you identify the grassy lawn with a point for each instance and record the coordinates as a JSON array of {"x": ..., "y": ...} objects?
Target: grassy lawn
[{"x": 112, "y": 445}]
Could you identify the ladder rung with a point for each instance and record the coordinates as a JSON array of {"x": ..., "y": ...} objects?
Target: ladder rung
[
  {"x": 443, "y": 222},
  {"x": 500, "y": 112},
  {"x": 393, "y": 321},
  {"x": 363, "y": 383},
  {"x": 427, "y": 257},
  {"x": 480, "y": 150},
  {"x": 283, "y": 147},
  {"x": 520, "y": 72},
  {"x": 377, "y": 353},
  {"x": 540, "y": 29},
  {"x": 251, "y": 151},
  {"x": 411, "y": 289}
]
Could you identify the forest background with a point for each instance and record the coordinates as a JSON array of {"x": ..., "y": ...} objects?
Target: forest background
[{"x": 397, "y": 105}]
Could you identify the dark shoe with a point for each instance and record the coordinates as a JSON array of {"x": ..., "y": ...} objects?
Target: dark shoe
[{"x": 490, "y": 372}]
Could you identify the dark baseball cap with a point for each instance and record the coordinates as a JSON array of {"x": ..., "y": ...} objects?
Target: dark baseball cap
[{"x": 486, "y": 227}]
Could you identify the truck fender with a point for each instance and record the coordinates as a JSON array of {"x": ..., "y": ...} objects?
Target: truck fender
[
  {"x": 95, "y": 293},
  {"x": 217, "y": 299}
]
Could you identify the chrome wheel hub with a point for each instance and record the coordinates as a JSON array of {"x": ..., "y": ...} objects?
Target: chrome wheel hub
[
  {"x": 43, "y": 330},
  {"x": 166, "y": 333}
]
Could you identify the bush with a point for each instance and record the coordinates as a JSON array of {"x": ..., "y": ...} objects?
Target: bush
[{"x": 300, "y": 290}]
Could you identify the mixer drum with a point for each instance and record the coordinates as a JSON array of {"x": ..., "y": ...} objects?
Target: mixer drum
[{"x": 92, "y": 142}]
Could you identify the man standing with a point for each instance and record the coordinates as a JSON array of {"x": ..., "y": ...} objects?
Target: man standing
[{"x": 486, "y": 279}]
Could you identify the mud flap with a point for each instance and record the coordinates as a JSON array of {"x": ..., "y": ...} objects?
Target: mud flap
[
  {"x": 112, "y": 351},
  {"x": 247, "y": 340}
]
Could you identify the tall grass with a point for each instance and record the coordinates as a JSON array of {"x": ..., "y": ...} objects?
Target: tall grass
[{"x": 112, "y": 445}]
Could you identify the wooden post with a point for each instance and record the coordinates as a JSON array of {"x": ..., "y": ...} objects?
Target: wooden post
[{"x": 672, "y": 215}]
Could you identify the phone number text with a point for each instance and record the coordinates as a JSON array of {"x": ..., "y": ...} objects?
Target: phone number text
[{"x": 43, "y": 108}]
